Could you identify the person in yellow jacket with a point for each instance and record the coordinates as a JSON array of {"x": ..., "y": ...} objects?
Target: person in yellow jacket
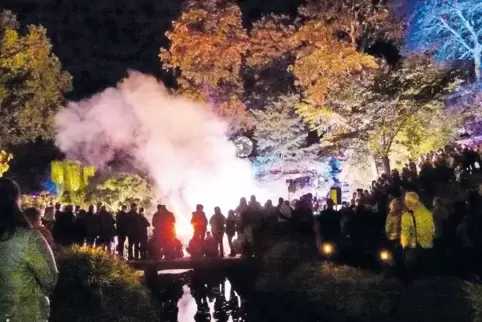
[{"x": 417, "y": 231}]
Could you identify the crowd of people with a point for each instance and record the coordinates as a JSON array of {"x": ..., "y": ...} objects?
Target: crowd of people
[{"x": 449, "y": 235}]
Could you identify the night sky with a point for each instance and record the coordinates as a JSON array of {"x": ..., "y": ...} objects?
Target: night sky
[{"x": 97, "y": 41}]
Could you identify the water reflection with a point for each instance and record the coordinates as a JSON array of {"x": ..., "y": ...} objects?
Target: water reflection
[{"x": 196, "y": 298}]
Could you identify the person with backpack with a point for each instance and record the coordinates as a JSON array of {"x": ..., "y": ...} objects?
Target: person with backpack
[{"x": 417, "y": 234}]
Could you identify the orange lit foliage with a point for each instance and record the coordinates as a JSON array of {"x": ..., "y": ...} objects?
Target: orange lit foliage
[
  {"x": 334, "y": 39},
  {"x": 270, "y": 38},
  {"x": 363, "y": 22},
  {"x": 325, "y": 60},
  {"x": 207, "y": 46}
]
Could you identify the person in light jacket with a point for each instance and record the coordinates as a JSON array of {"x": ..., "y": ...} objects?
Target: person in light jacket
[{"x": 28, "y": 272}]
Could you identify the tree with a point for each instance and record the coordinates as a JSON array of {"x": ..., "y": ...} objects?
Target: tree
[
  {"x": 362, "y": 22},
  {"x": 207, "y": 46},
  {"x": 324, "y": 60},
  {"x": 401, "y": 106},
  {"x": 32, "y": 82},
  {"x": 122, "y": 188},
  {"x": 282, "y": 142},
  {"x": 451, "y": 29},
  {"x": 271, "y": 51},
  {"x": 4, "y": 161}
]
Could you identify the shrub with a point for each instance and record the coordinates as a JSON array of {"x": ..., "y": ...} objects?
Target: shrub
[{"x": 95, "y": 286}]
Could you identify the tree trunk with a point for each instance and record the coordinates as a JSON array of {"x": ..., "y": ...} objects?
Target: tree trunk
[
  {"x": 386, "y": 164},
  {"x": 478, "y": 66}
]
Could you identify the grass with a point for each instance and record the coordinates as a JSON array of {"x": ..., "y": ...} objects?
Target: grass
[{"x": 95, "y": 286}]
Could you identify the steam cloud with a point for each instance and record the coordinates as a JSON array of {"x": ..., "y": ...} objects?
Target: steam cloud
[{"x": 181, "y": 143}]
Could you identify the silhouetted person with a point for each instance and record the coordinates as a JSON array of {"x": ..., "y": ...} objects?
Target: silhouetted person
[
  {"x": 122, "y": 228},
  {"x": 80, "y": 232},
  {"x": 107, "y": 229},
  {"x": 142, "y": 225},
  {"x": 199, "y": 223},
  {"x": 231, "y": 230},
  {"x": 92, "y": 226},
  {"x": 33, "y": 216},
  {"x": 64, "y": 233},
  {"x": 218, "y": 222},
  {"x": 132, "y": 231}
]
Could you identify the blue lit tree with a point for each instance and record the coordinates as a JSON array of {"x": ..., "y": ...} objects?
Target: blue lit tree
[
  {"x": 450, "y": 29},
  {"x": 282, "y": 144}
]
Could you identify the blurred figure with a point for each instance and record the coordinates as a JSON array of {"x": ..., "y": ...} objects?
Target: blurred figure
[
  {"x": 33, "y": 216},
  {"x": 218, "y": 222},
  {"x": 107, "y": 229},
  {"x": 210, "y": 248},
  {"x": 64, "y": 229},
  {"x": 48, "y": 219},
  {"x": 132, "y": 231},
  {"x": 393, "y": 231},
  {"x": 122, "y": 228},
  {"x": 417, "y": 234},
  {"x": 92, "y": 226},
  {"x": 231, "y": 230},
  {"x": 142, "y": 225},
  {"x": 28, "y": 271},
  {"x": 199, "y": 223}
]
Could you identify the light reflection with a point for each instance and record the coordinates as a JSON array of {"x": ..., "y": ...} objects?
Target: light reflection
[{"x": 188, "y": 308}]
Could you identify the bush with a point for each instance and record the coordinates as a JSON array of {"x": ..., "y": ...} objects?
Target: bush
[
  {"x": 95, "y": 286},
  {"x": 317, "y": 290}
]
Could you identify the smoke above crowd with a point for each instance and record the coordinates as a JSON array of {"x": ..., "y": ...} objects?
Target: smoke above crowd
[{"x": 182, "y": 144}]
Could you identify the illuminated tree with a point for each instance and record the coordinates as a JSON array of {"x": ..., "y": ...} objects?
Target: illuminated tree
[
  {"x": 122, "y": 188},
  {"x": 207, "y": 46},
  {"x": 402, "y": 106},
  {"x": 362, "y": 22},
  {"x": 31, "y": 82},
  {"x": 451, "y": 29},
  {"x": 324, "y": 60},
  {"x": 282, "y": 142},
  {"x": 270, "y": 39},
  {"x": 71, "y": 177},
  {"x": 5, "y": 159}
]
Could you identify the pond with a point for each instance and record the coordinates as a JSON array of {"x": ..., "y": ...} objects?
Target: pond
[{"x": 200, "y": 296}]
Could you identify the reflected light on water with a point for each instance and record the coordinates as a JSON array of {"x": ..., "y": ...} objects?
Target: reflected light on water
[{"x": 187, "y": 306}]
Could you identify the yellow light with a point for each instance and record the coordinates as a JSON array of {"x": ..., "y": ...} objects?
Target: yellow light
[
  {"x": 385, "y": 255},
  {"x": 328, "y": 248}
]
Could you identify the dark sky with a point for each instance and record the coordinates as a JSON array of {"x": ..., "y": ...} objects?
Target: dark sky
[{"x": 98, "y": 40}]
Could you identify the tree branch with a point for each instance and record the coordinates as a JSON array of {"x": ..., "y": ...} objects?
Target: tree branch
[
  {"x": 459, "y": 38},
  {"x": 469, "y": 27}
]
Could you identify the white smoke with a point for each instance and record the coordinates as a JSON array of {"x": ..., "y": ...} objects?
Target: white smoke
[{"x": 181, "y": 143}]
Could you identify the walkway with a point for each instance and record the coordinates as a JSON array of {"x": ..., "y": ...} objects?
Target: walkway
[{"x": 187, "y": 263}]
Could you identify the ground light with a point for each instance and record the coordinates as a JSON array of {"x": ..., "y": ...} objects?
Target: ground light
[
  {"x": 385, "y": 256},
  {"x": 328, "y": 249}
]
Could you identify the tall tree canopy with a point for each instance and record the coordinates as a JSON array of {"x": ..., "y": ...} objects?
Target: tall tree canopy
[
  {"x": 207, "y": 46},
  {"x": 282, "y": 141},
  {"x": 361, "y": 22},
  {"x": 451, "y": 29},
  {"x": 401, "y": 106},
  {"x": 32, "y": 82}
]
